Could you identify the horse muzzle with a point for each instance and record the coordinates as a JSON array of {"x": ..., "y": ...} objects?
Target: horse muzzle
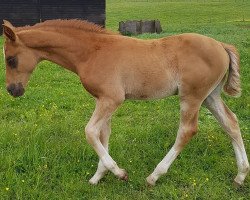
[{"x": 15, "y": 90}]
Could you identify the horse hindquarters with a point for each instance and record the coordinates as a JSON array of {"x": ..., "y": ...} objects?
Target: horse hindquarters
[{"x": 198, "y": 76}]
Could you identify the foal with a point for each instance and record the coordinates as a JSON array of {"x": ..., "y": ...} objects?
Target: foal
[{"x": 113, "y": 68}]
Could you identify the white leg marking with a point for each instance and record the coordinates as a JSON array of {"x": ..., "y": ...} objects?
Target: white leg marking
[
  {"x": 101, "y": 169},
  {"x": 102, "y": 113},
  {"x": 163, "y": 166},
  {"x": 100, "y": 172},
  {"x": 242, "y": 162},
  {"x": 187, "y": 128},
  {"x": 229, "y": 123}
]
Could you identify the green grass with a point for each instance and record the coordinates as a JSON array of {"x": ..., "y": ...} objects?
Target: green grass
[
  {"x": 43, "y": 151},
  {"x": 174, "y": 14}
]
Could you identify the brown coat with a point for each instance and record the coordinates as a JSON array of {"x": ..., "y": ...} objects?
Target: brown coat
[{"x": 113, "y": 68}]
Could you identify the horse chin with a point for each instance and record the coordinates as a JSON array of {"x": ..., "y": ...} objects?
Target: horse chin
[{"x": 16, "y": 90}]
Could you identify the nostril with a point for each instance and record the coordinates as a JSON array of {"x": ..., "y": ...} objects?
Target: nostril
[
  {"x": 15, "y": 90},
  {"x": 11, "y": 88},
  {"x": 20, "y": 89}
]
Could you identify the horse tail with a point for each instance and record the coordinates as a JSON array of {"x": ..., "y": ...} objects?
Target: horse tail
[{"x": 232, "y": 85}]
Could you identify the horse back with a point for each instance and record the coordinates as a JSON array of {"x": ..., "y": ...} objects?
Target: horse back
[{"x": 147, "y": 69}]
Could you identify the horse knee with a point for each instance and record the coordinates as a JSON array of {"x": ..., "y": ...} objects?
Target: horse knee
[
  {"x": 91, "y": 134},
  {"x": 233, "y": 120}
]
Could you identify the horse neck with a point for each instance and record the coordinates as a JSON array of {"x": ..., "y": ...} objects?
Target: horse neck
[{"x": 65, "y": 50}]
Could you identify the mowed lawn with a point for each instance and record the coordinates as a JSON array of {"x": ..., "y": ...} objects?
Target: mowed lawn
[{"x": 43, "y": 150}]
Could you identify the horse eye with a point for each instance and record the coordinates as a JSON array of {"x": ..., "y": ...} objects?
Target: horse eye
[{"x": 12, "y": 61}]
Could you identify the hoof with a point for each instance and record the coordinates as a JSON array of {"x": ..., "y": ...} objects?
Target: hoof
[
  {"x": 237, "y": 183},
  {"x": 239, "y": 179},
  {"x": 150, "y": 181},
  {"x": 93, "y": 181},
  {"x": 124, "y": 175}
]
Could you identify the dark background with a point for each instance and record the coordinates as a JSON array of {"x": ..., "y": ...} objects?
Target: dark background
[{"x": 29, "y": 12}]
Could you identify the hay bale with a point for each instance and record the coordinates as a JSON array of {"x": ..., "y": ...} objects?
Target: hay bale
[{"x": 136, "y": 27}]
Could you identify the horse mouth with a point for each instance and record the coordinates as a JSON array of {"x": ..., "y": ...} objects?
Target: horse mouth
[{"x": 16, "y": 90}]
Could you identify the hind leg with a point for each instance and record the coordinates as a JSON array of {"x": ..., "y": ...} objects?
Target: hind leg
[
  {"x": 101, "y": 169},
  {"x": 187, "y": 129},
  {"x": 228, "y": 121}
]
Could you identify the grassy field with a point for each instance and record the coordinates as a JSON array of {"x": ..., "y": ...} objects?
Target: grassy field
[{"x": 43, "y": 151}]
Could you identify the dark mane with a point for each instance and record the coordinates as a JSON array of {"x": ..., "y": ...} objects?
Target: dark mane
[{"x": 71, "y": 23}]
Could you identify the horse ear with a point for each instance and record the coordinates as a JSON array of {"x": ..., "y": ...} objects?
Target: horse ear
[
  {"x": 8, "y": 30},
  {"x": 7, "y": 23}
]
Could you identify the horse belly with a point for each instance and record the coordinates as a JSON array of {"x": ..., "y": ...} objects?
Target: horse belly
[{"x": 151, "y": 86}]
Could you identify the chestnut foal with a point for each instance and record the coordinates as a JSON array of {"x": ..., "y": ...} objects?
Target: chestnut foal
[{"x": 113, "y": 68}]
